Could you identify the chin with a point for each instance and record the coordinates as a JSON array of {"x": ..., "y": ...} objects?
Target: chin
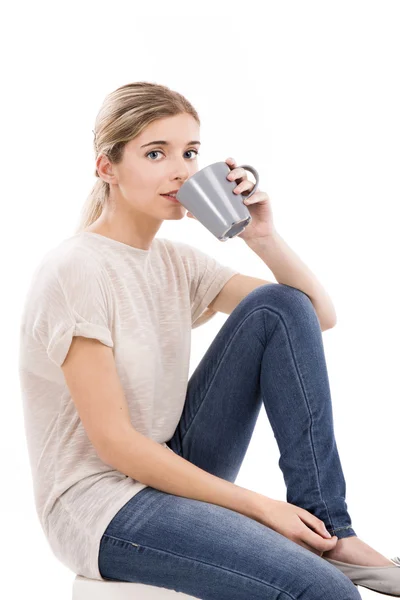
[
  {"x": 176, "y": 217},
  {"x": 179, "y": 212}
]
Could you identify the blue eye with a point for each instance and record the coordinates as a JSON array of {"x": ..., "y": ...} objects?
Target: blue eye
[{"x": 158, "y": 151}]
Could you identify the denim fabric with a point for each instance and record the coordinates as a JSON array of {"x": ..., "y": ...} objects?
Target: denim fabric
[{"x": 269, "y": 351}]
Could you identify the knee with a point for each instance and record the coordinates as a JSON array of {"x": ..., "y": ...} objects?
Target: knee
[
  {"x": 281, "y": 297},
  {"x": 331, "y": 584},
  {"x": 342, "y": 588},
  {"x": 328, "y": 583}
]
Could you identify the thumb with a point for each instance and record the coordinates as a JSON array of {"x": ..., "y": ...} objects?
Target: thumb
[{"x": 331, "y": 542}]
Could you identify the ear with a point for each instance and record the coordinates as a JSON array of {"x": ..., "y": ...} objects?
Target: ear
[{"x": 105, "y": 169}]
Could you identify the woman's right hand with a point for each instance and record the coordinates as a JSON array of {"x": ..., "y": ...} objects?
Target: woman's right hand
[{"x": 295, "y": 523}]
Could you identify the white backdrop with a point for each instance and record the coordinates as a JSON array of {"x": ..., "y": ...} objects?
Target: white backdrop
[{"x": 308, "y": 93}]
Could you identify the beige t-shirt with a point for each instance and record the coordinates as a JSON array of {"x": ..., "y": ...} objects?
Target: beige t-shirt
[{"x": 141, "y": 303}]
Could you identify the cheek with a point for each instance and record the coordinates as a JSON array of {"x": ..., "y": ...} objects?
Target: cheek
[
  {"x": 148, "y": 181},
  {"x": 144, "y": 183},
  {"x": 137, "y": 183}
]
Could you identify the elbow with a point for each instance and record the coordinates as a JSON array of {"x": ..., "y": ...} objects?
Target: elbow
[
  {"x": 329, "y": 325},
  {"x": 113, "y": 447}
]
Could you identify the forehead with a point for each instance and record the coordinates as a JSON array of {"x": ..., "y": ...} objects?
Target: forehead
[{"x": 177, "y": 130}]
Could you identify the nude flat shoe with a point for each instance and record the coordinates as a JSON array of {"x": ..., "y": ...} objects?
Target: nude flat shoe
[{"x": 384, "y": 580}]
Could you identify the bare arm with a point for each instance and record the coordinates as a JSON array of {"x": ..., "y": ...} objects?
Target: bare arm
[
  {"x": 92, "y": 378},
  {"x": 147, "y": 461}
]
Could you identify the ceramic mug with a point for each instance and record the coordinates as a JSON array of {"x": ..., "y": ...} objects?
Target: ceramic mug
[{"x": 209, "y": 196}]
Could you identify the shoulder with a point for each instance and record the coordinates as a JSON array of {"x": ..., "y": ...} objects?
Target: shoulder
[
  {"x": 70, "y": 254},
  {"x": 67, "y": 265},
  {"x": 184, "y": 251}
]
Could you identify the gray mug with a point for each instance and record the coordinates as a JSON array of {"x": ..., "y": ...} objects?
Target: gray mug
[{"x": 209, "y": 196}]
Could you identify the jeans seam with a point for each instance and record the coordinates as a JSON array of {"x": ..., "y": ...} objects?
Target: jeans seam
[
  {"x": 222, "y": 356},
  {"x": 280, "y": 318},
  {"x": 308, "y": 406},
  {"x": 208, "y": 564}
]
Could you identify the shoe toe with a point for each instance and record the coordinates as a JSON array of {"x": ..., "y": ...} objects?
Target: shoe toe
[{"x": 385, "y": 580}]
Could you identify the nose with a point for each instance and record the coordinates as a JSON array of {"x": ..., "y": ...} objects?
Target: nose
[{"x": 182, "y": 172}]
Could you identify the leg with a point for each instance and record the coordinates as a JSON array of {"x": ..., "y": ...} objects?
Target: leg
[
  {"x": 213, "y": 553},
  {"x": 268, "y": 351}
]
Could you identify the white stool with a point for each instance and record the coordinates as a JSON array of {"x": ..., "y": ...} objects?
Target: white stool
[{"x": 94, "y": 589}]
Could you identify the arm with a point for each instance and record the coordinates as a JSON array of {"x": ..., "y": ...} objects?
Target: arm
[
  {"x": 147, "y": 461},
  {"x": 92, "y": 379},
  {"x": 289, "y": 269}
]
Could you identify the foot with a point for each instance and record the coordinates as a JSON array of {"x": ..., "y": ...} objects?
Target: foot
[{"x": 354, "y": 551}]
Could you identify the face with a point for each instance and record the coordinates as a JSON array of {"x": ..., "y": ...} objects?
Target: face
[{"x": 147, "y": 172}]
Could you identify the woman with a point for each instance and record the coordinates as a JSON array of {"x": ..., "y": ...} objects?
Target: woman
[{"x": 134, "y": 466}]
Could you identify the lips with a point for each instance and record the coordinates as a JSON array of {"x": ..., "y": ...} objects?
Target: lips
[{"x": 170, "y": 198}]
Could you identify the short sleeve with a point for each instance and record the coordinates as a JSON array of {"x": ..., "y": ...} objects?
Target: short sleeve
[
  {"x": 71, "y": 299},
  {"x": 206, "y": 278}
]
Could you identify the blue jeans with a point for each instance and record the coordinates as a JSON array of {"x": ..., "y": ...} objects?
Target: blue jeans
[{"x": 270, "y": 351}]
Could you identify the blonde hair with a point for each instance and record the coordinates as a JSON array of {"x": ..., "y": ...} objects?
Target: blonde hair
[{"x": 123, "y": 115}]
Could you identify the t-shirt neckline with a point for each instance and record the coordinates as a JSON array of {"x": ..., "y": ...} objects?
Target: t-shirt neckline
[{"x": 117, "y": 243}]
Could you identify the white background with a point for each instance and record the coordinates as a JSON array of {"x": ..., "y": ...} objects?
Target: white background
[{"x": 308, "y": 93}]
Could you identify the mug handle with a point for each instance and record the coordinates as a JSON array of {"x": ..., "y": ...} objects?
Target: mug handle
[{"x": 256, "y": 175}]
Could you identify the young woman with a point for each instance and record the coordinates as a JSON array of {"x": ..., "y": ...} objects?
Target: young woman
[{"x": 133, "y": 465}]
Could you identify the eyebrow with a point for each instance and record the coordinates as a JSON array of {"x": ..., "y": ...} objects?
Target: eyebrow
[{"x": 167, "y": 143}]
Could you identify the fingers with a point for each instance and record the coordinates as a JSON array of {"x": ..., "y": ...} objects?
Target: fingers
[
  {"x": 313, "y": 522},
  {"x": 243, "y": 186},
  {"x": 237, "y": 173},
  {"x": 320, "y": 540},
  {"x": 316, "y": 541},
  {"x": 310, "y": 548}
]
